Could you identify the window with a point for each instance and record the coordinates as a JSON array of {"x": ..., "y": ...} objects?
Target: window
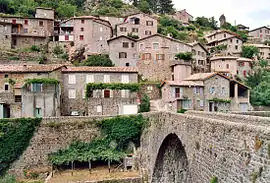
[
  {"x": 199, "y": 53},
  {"x": 149, "y": 23},
  {"x": 132, "y": 45},
  {"x": 146, "y": 56},
  {"x": 122, "y": 55},
  {"x": 236, "y": 47},
  {"x": 201, "y": 103},
  {"x": 155, "y": 46},
  {"x": 228, "y": 66},
  {"x": 193, "y": 52},
  {"x": 18, "y": 98},
  {"x": 135, "y": 30},
  {"x": 212, "y": 90},
  {"x": 38, "y": 112},
  {"x": 82, "y": 29},
  {"x": 107, "y": 93},
  {"x": 90, "y": 78},
  {"x": 6, "y": 36},
  {"x": 100, "y": 38},
  {"x": 237, "y": 41},
  {"x": 6, "y": 86},
  {"x": 160, "y": 57},
  {"x": 25, "y": 22},
  {"x": 141, "y": 46},
  {"x": 99, "y": 108},
  {"x": 261, "y": 31},
  {"x": 100, "y": 29},
  {"x": 81, "y": 37},
  {"x": 149, "y": 88},
  {"x": 177, "y": 92},
  {"x": 25, "y": 30},
  {"x": 36, "y": 87},
  {"x": 186, "y": 104},
  {"x": 71, "y": 93},
  {"x": 82, "y": 21},
  {"x": 231, "y": 40},
  {"x": 41, "y": 23},
  {"x": 225, "y": 35},
  {"x": 125, "y": 79},
  {"x": 245, "y": 73},
  {"x": 125, "y": 93},
  {"x": 127, "y": 64},
  {"x": 72, "y": 79},
  {"x": 107, "y": 78},
  {"x": 125, "y": 44},
  {"x": 147, "y": 32},
  {"x": 6, "y": 75},
  {"x": 200, "y": 62},
  {"x": 123, "y": 29},
  {"x": 66, "y": 37},
  {"x": 222, "y": 91},
  {"x": 13, "y": 21}
]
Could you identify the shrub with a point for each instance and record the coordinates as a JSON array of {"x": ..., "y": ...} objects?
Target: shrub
[
  {"x": 64, "y": 56},
  {"x": 42, "y": 59},
  {"x": 184, "y": 56},
  {"x": 182, "y": 111},
  {"x": 133, "y": 36},
  {"x": 145, "y": 104},
  {"x": 13, "y": 58},
  {"x": 57, "y": 50},
  {"x": 35, "y": 48},
  {"x": 214, "y": 180},
  {"x": 98, "y": 60}
]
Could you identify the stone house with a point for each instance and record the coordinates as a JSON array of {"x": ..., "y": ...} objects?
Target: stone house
[
  {"x": 113, "y": 21},
  {"x": 231, "y": 65},
  {"x": 139, "y": 24},
  {"x": 261, "y": 33},
  {"x": 33, "y": 100},
  {"x": 200, "y": 54},
  {"x": 183, "y": 16},
  {"x": 87, "y": 31},
  {"x": 5, "y": 35},
  {"x": 231, "y": 41},
  {"x": 102, "y": 102},
  {"x": 242, "y": 27},
  {"x": 157, "y": 56},
  {"x": 123, "y": 51},
  {"x": 211, "y": 92},
  {"x": 264, "y": 50},
  {"x": 28, "y": 31}
]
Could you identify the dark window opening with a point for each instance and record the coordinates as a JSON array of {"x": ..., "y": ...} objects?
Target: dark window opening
[
  {"x": 106, "y": 93},
  {"x": 41, "y": 23},
  {"x": 6, "y": 75},
  {"x": 6, "y": 87},
  {"x": 18, "y": 98},
  {"x": 127, "y": 64}
]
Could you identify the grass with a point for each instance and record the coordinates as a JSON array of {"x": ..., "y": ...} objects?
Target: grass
[
  {"x": 12, "y": 179},
  {"x": 99, "y": 173}
]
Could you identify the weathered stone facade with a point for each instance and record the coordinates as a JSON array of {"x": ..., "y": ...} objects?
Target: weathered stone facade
[
  {"x": 200, "y": 53},
  {"x": 262, "y": 33},
  {"x": 5, "y": 36},
  {"x": 153, "y": 91}
]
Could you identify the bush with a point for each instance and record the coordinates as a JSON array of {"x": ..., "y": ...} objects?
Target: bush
[
  {"x": 182, "y": 111},
  {"x": 35, "y": 48},
  {"x": 64, "y": 56},
  {"x": 57, "y": 50},
  {"x": 42, "y": 59},
  {"x": 214, "y": 180},
  {"x": 98, "y": 60},
  {"x": 187, "y": 56},
  {"x": 145, "y": 104},
  {"x": 13, "y": 58},
  {"x": 133, "y": 36}
]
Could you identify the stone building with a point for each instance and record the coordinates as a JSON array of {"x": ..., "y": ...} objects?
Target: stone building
[
  {"x": 102, "y": 102},
  {"x": 28, "y": 31},
  {"x": 139, "y": 24},
  {"x": 113, "y": 21},
  {"x": 5, "y": 35},
  {"x": 211, "y": 92},
  {"x": 264, "y": 50},
  {"x": 261, "y": 33},
  {"x": 87, "y": 31},
  {"x": 123, "y": 51},
  {"x": 183, "y": 16},
  {"x": 231, "y": 42},
  {"x": 33, "y": 100},
  {"x": 232, "y": 66},
  {"x": 157, "y": 55},
  {"x": 200, "y": 53}
]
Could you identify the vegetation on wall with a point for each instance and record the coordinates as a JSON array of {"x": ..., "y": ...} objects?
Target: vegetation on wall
[
  {"x": 187, "y": 56},
  {"x": 217, "y": 49},
  {"x": 15, "y": 135},
  {"x": 90, "y": 87},
  {"x": 218, "y": 100},
  {"x": 117, "y": 132},
  {"x": 42, "y": 81},
  {"x": 145, "y": 104}
]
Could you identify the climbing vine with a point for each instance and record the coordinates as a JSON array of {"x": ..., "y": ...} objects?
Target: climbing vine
[
  {"x": 15, "y": 135},
  {"x": 42, "y": 80},
  {"x": 117, "y": 132},
  {"x": 218, "y": 100},
  {"x": 133, "y": 87}
]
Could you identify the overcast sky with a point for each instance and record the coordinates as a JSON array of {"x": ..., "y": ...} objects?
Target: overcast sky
[{"x": 252, "y": 13}]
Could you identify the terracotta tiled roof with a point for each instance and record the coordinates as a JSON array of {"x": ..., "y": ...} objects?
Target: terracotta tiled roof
[
  {"x": 230, "y": 58},
  {"x": 101, "y": 69},
  {"x": 185, "y": 83},
  {"x": 15, "y": 68},
  {"x": 200, "y": 76}
]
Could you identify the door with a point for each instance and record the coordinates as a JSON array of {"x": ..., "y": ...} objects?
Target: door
[
  {"x": 210, "y": 106},
  {"x": 129, "y": 109}
]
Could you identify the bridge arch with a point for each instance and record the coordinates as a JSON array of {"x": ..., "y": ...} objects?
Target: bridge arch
[{"x": 171, "y": 165}]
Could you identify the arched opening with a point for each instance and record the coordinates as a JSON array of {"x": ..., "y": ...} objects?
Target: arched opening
[{"x": 171, "y": 164}]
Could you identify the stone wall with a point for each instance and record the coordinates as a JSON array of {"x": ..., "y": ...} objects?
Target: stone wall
[
  {"x": 255, "y": 113},
  {"x": 126, "y": 180},
  {"x": 233, "y": 151}
]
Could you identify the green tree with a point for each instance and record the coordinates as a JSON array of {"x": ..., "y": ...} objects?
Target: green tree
[
  {"x": 166, "y": 7},
  {"x": 65, "y": 10},
  {"x": 260, "y": 95},
  {"x": 249, "y": 51},
  {"x": 4, "y": 6},
  {"x": 206, "y": 22},
  {"x": 144, "y": 7},
  {"x": 145, "y": 104},
  {"x": 98, "y": 60}
]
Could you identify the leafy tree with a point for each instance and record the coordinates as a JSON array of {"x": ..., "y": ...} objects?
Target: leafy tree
[
  {"x": 165, "y": 7},
  {"x": 207, "y": 22},
  {"x": 260, "y": 95},
  {"x": 66, "y": 10},
  {"x": 4, "y": 6},
  {"x": 144, "y": 7},
  {"x": 249, "y": 51},
  {"x": 145, "y": 104},
  {"x": 167, "y": 21},
  {"x": 184, "y": 56},
  {"x": 98, "y": 60}
]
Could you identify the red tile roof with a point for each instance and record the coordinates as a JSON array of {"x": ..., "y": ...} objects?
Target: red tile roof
[
  {"x": 101, "y": 69},
  {"x": 15, "y": 68}
]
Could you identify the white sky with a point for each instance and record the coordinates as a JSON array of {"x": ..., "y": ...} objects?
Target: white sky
[{"x": 252, "y": 13}]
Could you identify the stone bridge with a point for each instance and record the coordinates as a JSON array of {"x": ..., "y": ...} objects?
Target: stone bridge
[{"x": 175, "y": 148}]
